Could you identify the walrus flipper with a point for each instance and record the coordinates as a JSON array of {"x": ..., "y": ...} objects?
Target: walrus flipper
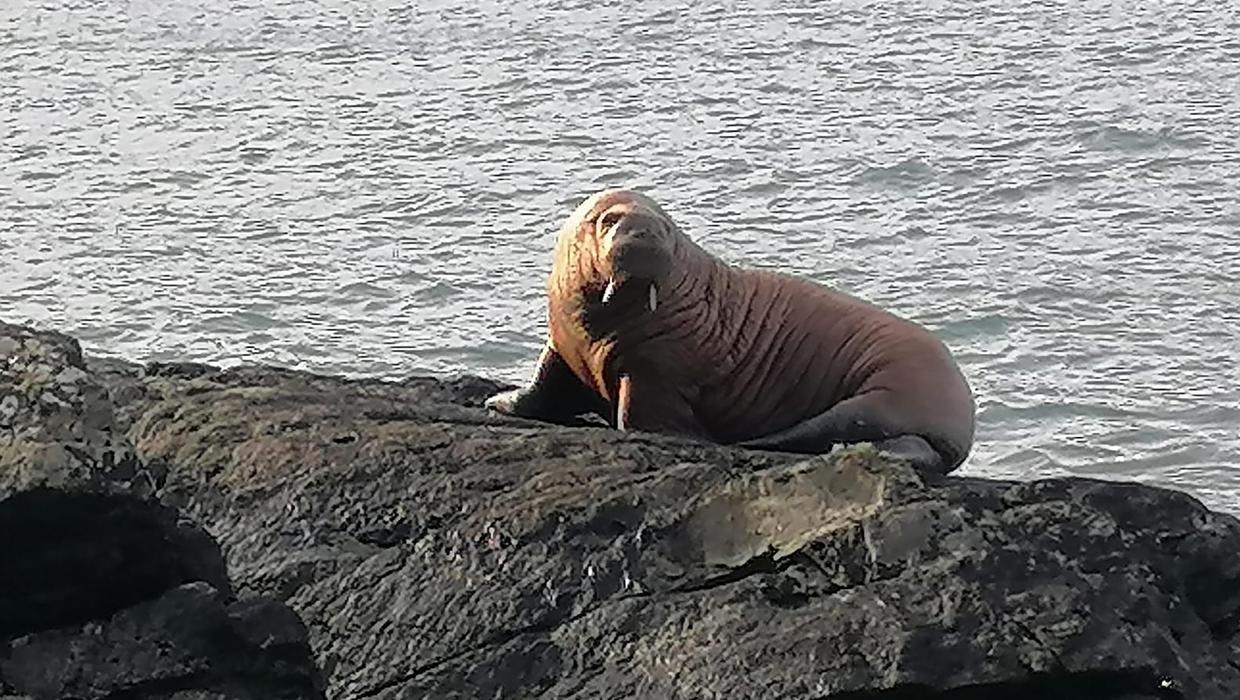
[
  {"x": 555, "y": 395},
  {"x": 853, "y": 420},
  {"x": 649, "y": 406},
  {"x": 915, "y": 450}
]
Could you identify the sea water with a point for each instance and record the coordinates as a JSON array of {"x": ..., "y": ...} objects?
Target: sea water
[{"x": 372, "y": 187}]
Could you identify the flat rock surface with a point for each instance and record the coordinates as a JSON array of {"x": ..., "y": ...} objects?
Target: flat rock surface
[{"x": 436, "y": 551}]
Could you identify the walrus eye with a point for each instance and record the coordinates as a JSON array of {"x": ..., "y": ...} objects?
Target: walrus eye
[{"x": 609, "y": 219}]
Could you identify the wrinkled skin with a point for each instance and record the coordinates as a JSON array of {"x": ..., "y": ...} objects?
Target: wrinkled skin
[{"x": 654, "y": 333}]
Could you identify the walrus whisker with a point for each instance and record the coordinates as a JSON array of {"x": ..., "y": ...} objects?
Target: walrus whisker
[{"x": 654, "y": 297}]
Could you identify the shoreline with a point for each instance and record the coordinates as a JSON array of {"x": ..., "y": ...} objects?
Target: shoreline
[{"x": 392, "y": 539}]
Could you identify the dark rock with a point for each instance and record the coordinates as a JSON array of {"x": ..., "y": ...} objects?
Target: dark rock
[
  {"x": 190, "y": 640},
  {"x": 79, "y": 532},
  {"x": 71, "y": 556},
  {"x": 104, "y": 591},
  {"x": 437, "y": 551}
]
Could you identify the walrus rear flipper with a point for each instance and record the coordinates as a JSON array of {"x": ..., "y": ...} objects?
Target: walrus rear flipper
[
  {"x": 556, "y": 395},
  {"x": 915, "y": 450},
  {"x": 857, "y": 419}
]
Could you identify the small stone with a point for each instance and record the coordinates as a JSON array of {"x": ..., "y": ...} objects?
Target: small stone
[
  {"x": 9, "y": 406},
  {"x": 70, "y": 375},
  {"x": 48, "y": 397}
]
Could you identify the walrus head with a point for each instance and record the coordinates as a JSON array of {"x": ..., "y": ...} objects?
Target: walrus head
[
  {"x": 615, "y": 255},
  {"x": 636, "y": 248}
]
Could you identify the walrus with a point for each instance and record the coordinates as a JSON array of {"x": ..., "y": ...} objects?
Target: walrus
[{"x": 654, "y": 333}]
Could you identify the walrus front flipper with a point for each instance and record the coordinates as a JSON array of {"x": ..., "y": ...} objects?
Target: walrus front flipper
[
  {"x": 857, "y": 419},
  {"x": 649, "y": 406},
  {"x": 556, "y": 395}
]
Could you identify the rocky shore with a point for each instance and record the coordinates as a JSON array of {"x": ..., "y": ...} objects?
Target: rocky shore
[{"x": 182, "y": 531}]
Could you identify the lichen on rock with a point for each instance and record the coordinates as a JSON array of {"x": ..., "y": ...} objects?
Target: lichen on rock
[{"x": 56, "y": 420}]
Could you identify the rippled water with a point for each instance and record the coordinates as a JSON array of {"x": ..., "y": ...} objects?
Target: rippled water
[{"x": 372, "y": 187}]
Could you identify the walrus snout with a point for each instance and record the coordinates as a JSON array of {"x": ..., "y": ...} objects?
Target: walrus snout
[
  {"x": 635, "y": 243},
  {"x": 637, "y": 259}
]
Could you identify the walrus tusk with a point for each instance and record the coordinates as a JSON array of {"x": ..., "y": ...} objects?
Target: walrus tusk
[{"x": 610, "y": 291}]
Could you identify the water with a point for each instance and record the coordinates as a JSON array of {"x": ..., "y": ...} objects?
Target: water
[{"x": 372, "y": 187}]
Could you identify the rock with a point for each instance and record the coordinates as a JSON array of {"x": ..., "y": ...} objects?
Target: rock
[
  {"x": 71, "y": 556},
  {"x": 190, "y": 638},
  {"x": 56, "y": 422},
  {"x": 79, "y": 531},
  {"x": 436, "y": 551},
  {"x": 104, "y": 591}
]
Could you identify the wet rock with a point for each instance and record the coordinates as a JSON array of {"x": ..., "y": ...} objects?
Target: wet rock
[{"x": 434, "y": 550}]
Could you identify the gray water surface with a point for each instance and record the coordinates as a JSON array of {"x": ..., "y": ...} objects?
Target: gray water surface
[{"x": 372, "y": 187}]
